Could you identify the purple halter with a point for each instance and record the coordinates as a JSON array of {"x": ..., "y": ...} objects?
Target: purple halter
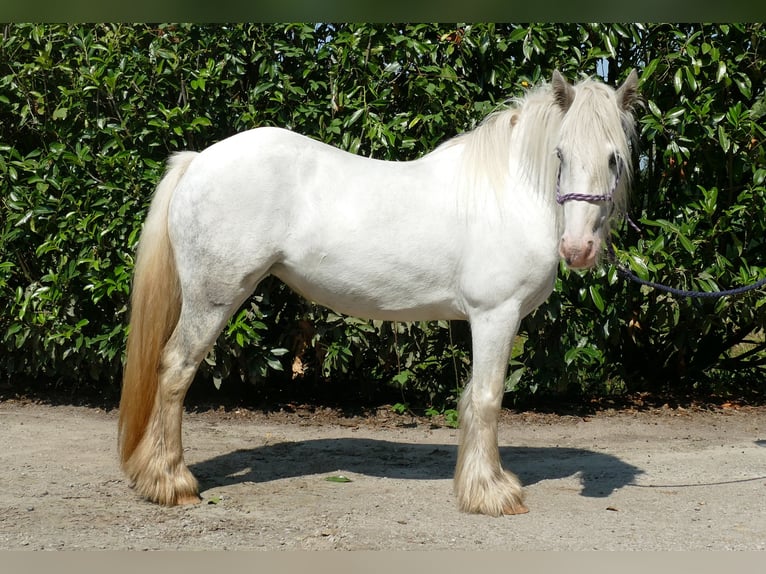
[{"x": 562, "y": 198}]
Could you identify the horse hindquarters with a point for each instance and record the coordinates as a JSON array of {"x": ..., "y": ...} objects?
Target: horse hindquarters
[{"x": 170, "y": 334}]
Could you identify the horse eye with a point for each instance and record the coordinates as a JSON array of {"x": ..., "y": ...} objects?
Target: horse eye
[
  {"x": 559, "y": 154},
  {"x": 613, "y": 161}
]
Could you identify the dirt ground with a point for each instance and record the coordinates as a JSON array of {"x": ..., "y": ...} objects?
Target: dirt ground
[{"x": 657, "y": 479}]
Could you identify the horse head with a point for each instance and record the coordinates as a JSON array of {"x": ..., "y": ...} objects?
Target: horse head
[{"x": 594, "y": 161}]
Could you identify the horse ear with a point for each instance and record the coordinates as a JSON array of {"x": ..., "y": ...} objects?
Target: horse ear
[
  {"x": 627, "y": 93},
  {"x": 562, "y": 91}
]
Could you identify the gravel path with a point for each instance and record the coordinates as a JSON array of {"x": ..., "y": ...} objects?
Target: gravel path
[{"x": 661, "y": 479}]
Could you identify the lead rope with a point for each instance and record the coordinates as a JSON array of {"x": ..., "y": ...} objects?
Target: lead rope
[{"x": 628, "y": 274}]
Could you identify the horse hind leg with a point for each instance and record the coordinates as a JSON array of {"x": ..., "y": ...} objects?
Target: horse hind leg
[{"x": 157, "y": 468}]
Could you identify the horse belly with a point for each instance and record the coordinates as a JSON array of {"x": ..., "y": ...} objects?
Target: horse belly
[{"x": 371, "y": 288}]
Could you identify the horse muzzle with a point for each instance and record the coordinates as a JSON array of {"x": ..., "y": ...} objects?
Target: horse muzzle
[{"x": 579, "y": 254}]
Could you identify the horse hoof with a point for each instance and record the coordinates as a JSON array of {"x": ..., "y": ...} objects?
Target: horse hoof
[
  {"x": 515, "y": 509},
  {"x": 185, "y": 499}
]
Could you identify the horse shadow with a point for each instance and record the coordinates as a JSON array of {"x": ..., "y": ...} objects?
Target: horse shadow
[{"x": 600, "y": 474}]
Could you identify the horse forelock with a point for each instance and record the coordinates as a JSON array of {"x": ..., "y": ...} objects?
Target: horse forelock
[{"x": 595, "y": 124}]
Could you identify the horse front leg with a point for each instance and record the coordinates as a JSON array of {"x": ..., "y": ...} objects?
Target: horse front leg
[{"x": 482, "y": 486}]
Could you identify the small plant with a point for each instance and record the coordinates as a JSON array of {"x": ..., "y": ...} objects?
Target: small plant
[
  {"x": 451, "y": 418},
  {"x": 450, "y": 415},
  {"x": 400, "y": 408}
]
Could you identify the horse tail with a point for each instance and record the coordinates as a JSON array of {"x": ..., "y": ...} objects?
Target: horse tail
[{"x": 155, "y": 309}]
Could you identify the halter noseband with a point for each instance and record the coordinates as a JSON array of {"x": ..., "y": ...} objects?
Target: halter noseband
[{"x": 562, "y": 198}]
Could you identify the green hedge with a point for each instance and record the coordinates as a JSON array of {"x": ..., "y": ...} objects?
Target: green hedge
[{"x": 88, "y": 114}]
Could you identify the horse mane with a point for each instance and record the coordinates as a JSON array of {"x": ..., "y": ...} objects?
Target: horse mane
[
  {"x": 529, "y": 128},
  {"x": 526, "y": 127}
]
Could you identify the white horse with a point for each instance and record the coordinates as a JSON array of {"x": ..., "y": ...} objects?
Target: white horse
[{"x": 472, "y": 230}]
